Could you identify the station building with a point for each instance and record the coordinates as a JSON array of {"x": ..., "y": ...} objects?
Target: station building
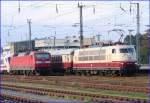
[{"x": 48, "y": 43}]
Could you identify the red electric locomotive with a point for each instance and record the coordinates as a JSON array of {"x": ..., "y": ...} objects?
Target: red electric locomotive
[{"x": 37, "y": 62}]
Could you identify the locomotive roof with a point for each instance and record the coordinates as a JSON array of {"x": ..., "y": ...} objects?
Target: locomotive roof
[
  {"x": 60, "y": 52},
  {"x": 29, "y": 53},
  {"x": 111, "y": 46},
  {"x": 39, "y": 52}
]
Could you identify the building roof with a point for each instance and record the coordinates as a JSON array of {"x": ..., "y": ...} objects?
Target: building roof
[
  {"x": 61, "y": 52},
  {"x": 62, "y": 42}
]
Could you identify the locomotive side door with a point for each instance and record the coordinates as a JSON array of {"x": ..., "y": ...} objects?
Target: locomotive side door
[{"x": 114, "y": 54}]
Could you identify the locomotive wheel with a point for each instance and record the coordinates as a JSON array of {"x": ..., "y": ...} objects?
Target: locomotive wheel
[
  {"x": 82, "y": 73},
  {"x": 31, "y": 73},
  {"x": 36, "y": 73},
  {"x": 15, "y": 72},
  {"x": 91, "y": 72},
  {"x": 18, "y": 72},
  {"x": 69, "y": 71},
  {"x": 78, "y": 73},
  {"x": 86, "y": 73},
  {"x": 120, "y": 73},
  {"x": 99, "y": 72},
  {"x": 27, "y": 72},
  {"x": 103, "y": 73},
  {"x": 113, "y": 72},
  {"x": 10, "y": 72},
  {"x": 5, "y": 72},
  {"x": 24, "y": 72}
]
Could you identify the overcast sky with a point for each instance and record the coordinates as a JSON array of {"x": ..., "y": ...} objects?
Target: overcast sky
[{"x": 98, "y": 18}]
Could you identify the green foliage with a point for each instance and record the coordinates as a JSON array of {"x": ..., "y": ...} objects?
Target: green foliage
[
  {"x": 144, "y": 50},
  {"x": 144, "y": 46},
  {"x": 127, "y": 40},
  {"x": 88, "y": 99}
]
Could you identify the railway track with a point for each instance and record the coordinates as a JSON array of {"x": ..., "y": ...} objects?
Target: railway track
[
  {"x": 18, "y": 99},
  {"x": 95, "y": 83},
  {"x": 74, "y": 94},
  {"x": 139, "y": 81},
  {"x": 83, "y": 84},
  {"x": 90, "y": 85}
]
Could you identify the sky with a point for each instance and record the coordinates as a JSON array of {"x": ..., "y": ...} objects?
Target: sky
[{"x": 61, "y": 18}]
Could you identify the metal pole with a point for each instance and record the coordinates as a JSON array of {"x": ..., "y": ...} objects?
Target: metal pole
[
  {"x": 130, "y": 34},
  {"x": 54, "y": 38},
  {"x": 148, "y": 31},
  {"x": 54, "y": 41},
  {"x": 98, "y": 37},
  {"x": 149, "y": 57},
  {"x": 81, "y": 26},
  {"x": 130, "y": 37},
  {"x": 19, "y": 6},
  {"x": 138, "y": 33},
  {"x": 30, "y": 43}
]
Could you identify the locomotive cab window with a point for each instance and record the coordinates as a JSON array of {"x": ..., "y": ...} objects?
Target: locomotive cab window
[
  {"x": 42, "y": 55},
  {"x": 113, "y": 51},
  {"x": 126, "y": 50}
]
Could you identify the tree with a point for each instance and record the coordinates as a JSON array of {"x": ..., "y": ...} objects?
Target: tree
[
  {"x": 144, "y": 48},
  {"x": 144, "y": 45},
  {"x": 127, "y": 40}
]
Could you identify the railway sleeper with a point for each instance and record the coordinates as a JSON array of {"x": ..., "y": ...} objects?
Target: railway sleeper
[
  {"x": 55, "y": 92},
  {"x": 19, "y": 99}
]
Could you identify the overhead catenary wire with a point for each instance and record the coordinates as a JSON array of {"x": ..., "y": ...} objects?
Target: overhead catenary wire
[
  {"x": 122, "y": 8},
  {"x": 18, "y": 6},
  {"x": 61, "y": 4},
  {"x": 63, "y": 14},
  {"x": 67, "y": 13},
  {"x": 56, "y": 9}
]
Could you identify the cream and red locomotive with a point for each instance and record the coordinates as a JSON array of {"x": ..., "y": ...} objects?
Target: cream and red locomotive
[{"x": 115, "y": 59}]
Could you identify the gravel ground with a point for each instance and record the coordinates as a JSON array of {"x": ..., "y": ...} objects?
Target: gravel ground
[{"x": 33, "y": 96}]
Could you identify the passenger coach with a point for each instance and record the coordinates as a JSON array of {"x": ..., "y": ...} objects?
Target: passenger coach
[{"x": 62, "y": 60}]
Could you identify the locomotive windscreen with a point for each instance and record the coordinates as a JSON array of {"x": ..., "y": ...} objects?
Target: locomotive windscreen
[
  {"x": 42, "y": 56},
  {"x": 126, "y": 50}
]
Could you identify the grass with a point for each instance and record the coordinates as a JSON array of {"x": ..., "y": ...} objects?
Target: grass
[{"x": 85, "y": 90}]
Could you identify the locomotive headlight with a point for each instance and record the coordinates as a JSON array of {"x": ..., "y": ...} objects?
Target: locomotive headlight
[
  {"x": 47, "y": 62},
  {"x": 122, "y": 63},
  {"x": 139, "y": 65},
  {"x": 129, "y": 56},
  {"x": 126, "y": 56},
  {"x": 40, "y": 62}
]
